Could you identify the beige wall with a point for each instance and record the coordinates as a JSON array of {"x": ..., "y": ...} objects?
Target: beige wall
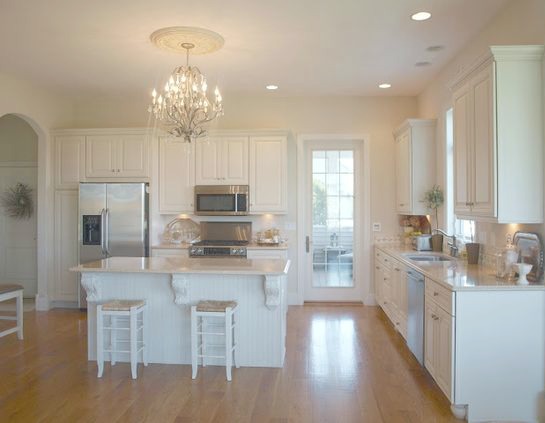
[
  {"x": 520, "y": 22},
  {"x": 372, "y": 116},
  {"x": 43, "y": 110},
  {"x": 18, "y": 141}
]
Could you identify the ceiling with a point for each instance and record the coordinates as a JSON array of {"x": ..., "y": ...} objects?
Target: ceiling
[{"x": 307, "y": 47}]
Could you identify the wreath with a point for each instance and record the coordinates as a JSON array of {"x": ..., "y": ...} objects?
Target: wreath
[{"x": 17, "y": 201}]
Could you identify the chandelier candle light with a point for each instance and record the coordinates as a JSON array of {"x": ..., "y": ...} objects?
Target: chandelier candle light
[{"x": 183, "y": 106}]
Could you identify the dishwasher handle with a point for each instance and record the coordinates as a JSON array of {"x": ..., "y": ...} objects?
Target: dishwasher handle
[{"x": 418, "y": 277}]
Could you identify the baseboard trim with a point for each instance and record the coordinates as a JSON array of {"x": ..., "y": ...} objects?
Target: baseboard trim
[
  {"x": 293, "y": 299},
  {"x": 370, "y": 300},
  {"x": 333, "y": 303},
  {"x": 42, "y": 303},
  {"x": 64, "y": 304}
]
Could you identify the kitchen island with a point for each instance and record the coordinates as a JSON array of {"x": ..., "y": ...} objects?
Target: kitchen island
[{"x": 170, "y": 285}]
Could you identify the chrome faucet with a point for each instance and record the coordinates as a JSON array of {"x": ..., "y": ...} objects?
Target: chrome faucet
[{"x": 451, "y": 244}]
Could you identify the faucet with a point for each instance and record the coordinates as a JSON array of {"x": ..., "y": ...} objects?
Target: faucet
[{"x": 451, "y": 244}]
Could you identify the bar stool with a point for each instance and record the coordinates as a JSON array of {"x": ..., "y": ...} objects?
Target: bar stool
[
  {"x": 201, "y": 328},
  {"x": 124, "y": 316},
  {"x": 9, "y": 292}
]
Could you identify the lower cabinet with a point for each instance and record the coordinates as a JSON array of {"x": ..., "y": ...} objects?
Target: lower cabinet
[
  {"x": 391, "y": 290},
  {"x": 439, "y": 338},
  {"x": 66, "y": 246}
]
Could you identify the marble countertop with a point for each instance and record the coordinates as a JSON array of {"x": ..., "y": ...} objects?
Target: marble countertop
[
  {"x": 456, "y": 275},
  {"x": 170, "y": 265},
  {"x": 252, "y": 245}
]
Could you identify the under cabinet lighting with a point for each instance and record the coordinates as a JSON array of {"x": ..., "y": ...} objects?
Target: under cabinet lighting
[
  {"x": 385, "y": 85},
  {"x": 272, "y": 87},
  {"x": 421, "y": 16}
]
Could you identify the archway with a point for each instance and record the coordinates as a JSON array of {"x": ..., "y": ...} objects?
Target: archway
[{"x": 41, "y": 207}]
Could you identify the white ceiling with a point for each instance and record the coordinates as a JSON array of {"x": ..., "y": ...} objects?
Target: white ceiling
[{"x": 307, "y": 47}]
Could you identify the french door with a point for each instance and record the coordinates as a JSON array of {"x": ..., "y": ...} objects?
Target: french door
[{"x": 332, "y": 215}]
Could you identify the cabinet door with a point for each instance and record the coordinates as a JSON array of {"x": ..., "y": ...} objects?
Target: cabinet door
[
  {"x": 462, "y": 150},
  {"x": 207, "y": 167},
  {"x": 68, "y": 161},
  {"x": 100, "y": 156},
  {"x": 443, "y": 350},
  {"x": 176, "y": 176},
  {"x": 430, "y": 337},
  {"x": 132, "y": 156},
  {"x": 403, "y": 173},
  {"x": 234, "y": 161},
  {"x": 66, "y": 245},
  {"x": 483, "y": 151},
  {"x": 379, "y": 283},
  {"x": 268, "y": 174}
]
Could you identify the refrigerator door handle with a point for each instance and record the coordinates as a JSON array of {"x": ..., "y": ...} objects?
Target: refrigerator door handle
[
  {"x": 102, "y": 231},
  {"x": 107, "y": 231}
]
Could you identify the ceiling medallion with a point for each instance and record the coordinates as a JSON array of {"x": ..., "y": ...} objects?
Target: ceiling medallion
[{"x": 182, "y": 106}]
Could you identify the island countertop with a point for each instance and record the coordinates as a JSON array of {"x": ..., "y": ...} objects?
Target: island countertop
[{"x": 195, "y": 265}]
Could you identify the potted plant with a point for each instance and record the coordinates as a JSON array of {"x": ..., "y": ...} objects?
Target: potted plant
[{"x": 434, "y": 199}]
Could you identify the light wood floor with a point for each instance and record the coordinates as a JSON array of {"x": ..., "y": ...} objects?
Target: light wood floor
[{"x": 343, "y": 364}]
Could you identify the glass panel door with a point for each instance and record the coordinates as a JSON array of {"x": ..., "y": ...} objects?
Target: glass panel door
[{"x": 332, "y": 218}]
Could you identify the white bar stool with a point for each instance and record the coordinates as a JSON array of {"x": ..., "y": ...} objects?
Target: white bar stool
[
  {"x": 201, "y": 328},
  {"x": 128, "y": 316},
  {"x": 9, "y": 292}
]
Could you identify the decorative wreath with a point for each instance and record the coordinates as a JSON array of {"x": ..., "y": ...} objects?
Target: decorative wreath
[{"x": 17, "y": 201}]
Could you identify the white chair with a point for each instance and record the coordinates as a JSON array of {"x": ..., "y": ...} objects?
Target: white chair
[
  {"x": 124, "y": 316},
  {"x": 204, "y": 323},
  {"x": 9, "y": 292}
]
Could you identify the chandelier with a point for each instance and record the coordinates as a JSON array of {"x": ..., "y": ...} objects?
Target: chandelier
[{"x": 183, "y": 106}]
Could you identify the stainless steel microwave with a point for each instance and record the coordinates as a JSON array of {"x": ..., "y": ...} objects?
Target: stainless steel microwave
[{"x": 221, "y": 200}]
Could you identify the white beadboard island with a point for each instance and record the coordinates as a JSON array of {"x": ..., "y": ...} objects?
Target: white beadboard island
[{"x": 170, "y": 285}]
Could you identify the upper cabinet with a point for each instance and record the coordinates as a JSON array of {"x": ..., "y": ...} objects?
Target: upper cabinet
[
  {"x": 268, "y": 174},
  {"x": 117, "y": 155},
  {"x": 176, "y": 176},
  {"x": 222, "y": 160},
  {"x": 69, "y": 157},
  {"x": 414, "y": 164},
  {"x": 498, "y": 137}
]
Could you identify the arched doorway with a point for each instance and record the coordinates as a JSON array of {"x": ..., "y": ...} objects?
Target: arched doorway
[{"x": 18, "y": 173}]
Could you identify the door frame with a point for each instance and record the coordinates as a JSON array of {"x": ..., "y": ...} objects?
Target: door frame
[{"x": 364, "y": 244}]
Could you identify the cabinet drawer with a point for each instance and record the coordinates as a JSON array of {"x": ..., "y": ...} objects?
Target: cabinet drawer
[
  {"x": 443, "y": 297},
  {"x": 266, "y": 254},
  {"x": 170, "y": 252},
  {"x": 384, "y": 259}
]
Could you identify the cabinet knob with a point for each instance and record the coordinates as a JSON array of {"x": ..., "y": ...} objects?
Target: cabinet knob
[
  {"x": 435, "y": 294},
  {"x": 118, "y": 170},
  {"x": 376, "y": 267},
  {"x": 113, "y": 170},
  {"x": 401, "y": 205}
]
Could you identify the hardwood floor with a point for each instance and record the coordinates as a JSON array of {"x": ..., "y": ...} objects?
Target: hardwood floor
[{"x": 343, "y": 364}]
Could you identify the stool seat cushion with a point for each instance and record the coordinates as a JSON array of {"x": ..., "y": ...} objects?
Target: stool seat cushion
[
  {"x": 215, "y": 306},
  {"x": 10, "y": 287},
  {"x": 122, "y": 305}
]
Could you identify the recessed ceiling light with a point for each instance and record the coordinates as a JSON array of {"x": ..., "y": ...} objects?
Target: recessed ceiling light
[
  {"x": 435, "y": 48},
  {"x": 421, "y": 16},
  {"x": 422, "y": 64},
  {"x": 272, "y": 87},
  {"x": 384, "y": 85}
]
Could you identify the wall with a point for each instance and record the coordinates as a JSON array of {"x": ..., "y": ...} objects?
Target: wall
[
  {"x": 42, "y": 110},
  {"x": 18, "y": 158},
  {"x": 373, "y": 116},
  {"x": 520, "y": 22}
]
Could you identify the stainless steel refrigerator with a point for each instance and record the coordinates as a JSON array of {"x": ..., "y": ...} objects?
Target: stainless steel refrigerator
[{"x": 113, "y": 221}]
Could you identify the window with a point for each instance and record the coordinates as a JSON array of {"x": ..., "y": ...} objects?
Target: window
[{"x": 464, "y": 229}]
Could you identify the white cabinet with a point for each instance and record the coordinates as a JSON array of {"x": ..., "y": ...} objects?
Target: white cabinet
[
  {"x": 414, "y": 164},
  {"x": 69, "y": 158},
  {"x": 498, "y": 137},
  {"x": 116, "y": 156},
  {"x": 176, "y": 176},
  {"x": 66, "y": 245},
  {"x": 268, "y": 174},
  {"x": 439, "y": 336},
  {"x": 170, "y": 252},
  {"x": 222, "y": 160},
  {"x": 266, "y": 253}
]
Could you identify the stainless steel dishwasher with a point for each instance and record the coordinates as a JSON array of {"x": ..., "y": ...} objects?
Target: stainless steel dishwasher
[{"x": 415, "y": 318}]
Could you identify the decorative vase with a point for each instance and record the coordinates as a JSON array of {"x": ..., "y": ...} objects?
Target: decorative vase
[
  {"x": 437, "y": 243},
  {"x": 472, "y": 249}
]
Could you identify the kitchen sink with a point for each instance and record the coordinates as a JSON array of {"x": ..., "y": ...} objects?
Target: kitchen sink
[{"x": 427, "y": 257}]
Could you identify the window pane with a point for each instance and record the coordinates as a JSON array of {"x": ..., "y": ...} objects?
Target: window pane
[
  {"x": 333, "y": 161},
  {"x": 346, "y": 184},
  {"x": 347, "y": 161},
  {"x": 333, "y": 184},
  {"x": 332, "y": 207},
  {"x": 347, "y": 207}
]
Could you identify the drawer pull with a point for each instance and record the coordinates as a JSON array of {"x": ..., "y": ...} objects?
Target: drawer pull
[
  {"x": 376, "y": 267},
  {"x": 396, "y": 269},
  {"x": 435, "y": 294}
]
